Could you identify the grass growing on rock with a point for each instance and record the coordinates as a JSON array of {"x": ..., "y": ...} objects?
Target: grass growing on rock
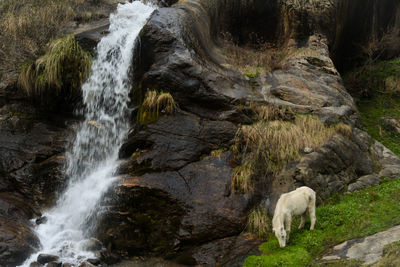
[
  {"x": 267, "y": 146},
  {"x": 258, "y": 222},
  {"x": 154, "y": 105},
  {"x": 340, "y": 218},
  {"x": 26, "y": 26},
  {"x": 253, "y": 59},
  {"x": 65, "y": 64}
]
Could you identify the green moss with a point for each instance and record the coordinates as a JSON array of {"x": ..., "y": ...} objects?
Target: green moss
[
  {"x": 21, "y": 115},
  {"x": 255, "y": 84},
  {"x": 252, "y": 75},
  {"x": 340, "y": 218}
]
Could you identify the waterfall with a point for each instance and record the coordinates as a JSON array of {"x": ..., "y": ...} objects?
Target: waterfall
[{"x": 93, "y": 156}]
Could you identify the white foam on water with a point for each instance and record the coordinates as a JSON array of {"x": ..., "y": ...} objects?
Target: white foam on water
[{"x": 93, "y": 156}]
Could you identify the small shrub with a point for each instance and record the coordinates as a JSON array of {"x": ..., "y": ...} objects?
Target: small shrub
[
  {"x": 64, "y": 66},
  {"x": 258, "y": 222},
  {"x": 155, "y": 104}
]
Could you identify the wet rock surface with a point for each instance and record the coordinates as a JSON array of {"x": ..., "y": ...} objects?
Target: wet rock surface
[
  {"x": 230, "y": 251},
  {"x": 32, "y": 146},
  {"x": 46, "y": 258},
  {"x": 166, "y": 210}
]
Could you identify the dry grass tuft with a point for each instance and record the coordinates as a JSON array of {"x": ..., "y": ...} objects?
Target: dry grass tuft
[
  {"x": 274, "y": 112},
  {"x": 26, "y": 26},
  {"x": 154, "y": 104},
  {"x": 266, "y": 147},
  {"x": 65, "y": 65},
  {"x": 344, "y": 129},
  {"x": 258, "y": 222}
]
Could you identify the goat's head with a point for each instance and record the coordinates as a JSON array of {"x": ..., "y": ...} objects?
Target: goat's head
[{"x": 280, "y": 233}]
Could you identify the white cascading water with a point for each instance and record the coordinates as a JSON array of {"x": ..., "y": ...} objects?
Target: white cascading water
[{"x": 94, "y": 154}]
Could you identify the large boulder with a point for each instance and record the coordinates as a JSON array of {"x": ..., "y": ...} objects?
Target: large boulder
[{"x": 175, "y": 191}]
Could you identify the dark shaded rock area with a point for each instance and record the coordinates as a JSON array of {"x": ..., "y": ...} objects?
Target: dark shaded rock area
[
  {"x": 359, "y": 21},
  {"x": 32, "y": 145},
  {"x": 46, "y": 258}
]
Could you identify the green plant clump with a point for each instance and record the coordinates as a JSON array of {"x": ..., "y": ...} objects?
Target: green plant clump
[
  {"x": 340, "y": 218},
  {"x": 63, "y": 67}
]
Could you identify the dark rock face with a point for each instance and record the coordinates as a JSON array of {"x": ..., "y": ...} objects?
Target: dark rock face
[
  {"x": 224, "y": 252},
  {"x": 17, "y": 240},
  {"x": 47, "y": 258},
  {"x": 359, "y": 20},
  {"x": 35, "y": 264},
  {"x": 198, "y": 207},
  {"x": 54, "y": 264},
  {"x": 32, "y": 145},
  {"x": 184, "y": 62}
]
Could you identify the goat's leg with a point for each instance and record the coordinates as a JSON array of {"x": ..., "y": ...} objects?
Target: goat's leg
[
  {"x": 303, "y": 220},
  {"x": 288, "y": 223},
  {"x": 311, "y": 210}
]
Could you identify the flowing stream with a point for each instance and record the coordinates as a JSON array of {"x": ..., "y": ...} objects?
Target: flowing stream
[{"x": 93, "y": 156}]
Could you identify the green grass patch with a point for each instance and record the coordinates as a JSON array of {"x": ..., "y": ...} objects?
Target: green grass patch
[
  {"x": 383, "y": 78},
  {"x": 374, "y": 78},
  {"x": 340, "y": 218},
  {"x": 252, "y": 75},
  {"x": 373, "y": 110}
]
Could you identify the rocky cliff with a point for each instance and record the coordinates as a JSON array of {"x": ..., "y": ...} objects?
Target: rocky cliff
[{"x": 176, "y": 197}]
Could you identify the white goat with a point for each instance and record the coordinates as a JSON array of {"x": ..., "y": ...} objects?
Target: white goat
[{"x": 291, "y": 204}]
